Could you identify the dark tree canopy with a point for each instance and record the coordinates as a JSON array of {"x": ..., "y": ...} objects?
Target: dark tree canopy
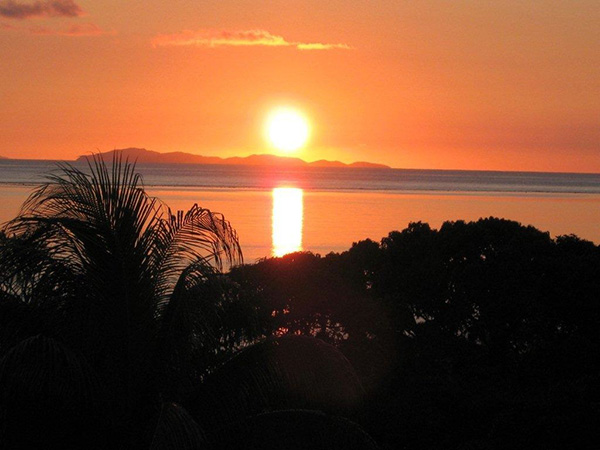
[{"x": 482, "y": 334}]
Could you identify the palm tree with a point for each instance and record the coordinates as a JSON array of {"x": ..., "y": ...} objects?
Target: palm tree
[{"x": 104, "y": 271}]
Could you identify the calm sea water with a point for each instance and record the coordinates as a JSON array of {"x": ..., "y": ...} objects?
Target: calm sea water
[
  {"x": 327, "y": 179},
  {"x": 326, "y": 209}
]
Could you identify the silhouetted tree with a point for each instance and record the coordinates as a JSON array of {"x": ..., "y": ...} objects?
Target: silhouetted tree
[
  {"x": 110, "y": 294},
  {"x": 481, "y": 333}
]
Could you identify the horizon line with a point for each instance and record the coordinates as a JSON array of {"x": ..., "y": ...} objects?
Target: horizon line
[{"x": 348, "y": 165}]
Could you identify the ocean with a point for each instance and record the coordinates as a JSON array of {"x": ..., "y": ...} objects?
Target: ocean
[
  {"x": 277, "y": 210},
  {"x": 326, "y": 179}
]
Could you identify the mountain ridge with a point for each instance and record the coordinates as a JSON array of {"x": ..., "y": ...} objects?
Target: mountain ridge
[{"x": 143, "y": 155}]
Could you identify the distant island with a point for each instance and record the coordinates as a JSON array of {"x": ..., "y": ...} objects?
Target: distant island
[{"x": 142, "y": 155}]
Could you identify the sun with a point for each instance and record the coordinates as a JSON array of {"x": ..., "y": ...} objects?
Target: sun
[{"x": 287, "y": 129}]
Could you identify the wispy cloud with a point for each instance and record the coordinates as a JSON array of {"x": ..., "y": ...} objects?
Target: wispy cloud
[
  {"x": 48, "y": 8},
  {"x": 238, "y": 38},
  {"x": 84, "y": 29},
  {"x": 319, "y": 46}
]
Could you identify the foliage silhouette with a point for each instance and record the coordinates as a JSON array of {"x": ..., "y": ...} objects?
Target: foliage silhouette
[
  {"x": 477, "y": 334},
  {"x": 45, "y": 385},
  {"x": 276, "y": 374},
  {"x": 302, "y": 429},
  {"x": 176, "y": 430},
  {"x": 117, "y": 282}
]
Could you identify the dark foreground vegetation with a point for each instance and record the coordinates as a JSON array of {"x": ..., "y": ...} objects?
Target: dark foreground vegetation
[
  {"x": 120, "y": 329},
  {"x": 482, "y": 335}
]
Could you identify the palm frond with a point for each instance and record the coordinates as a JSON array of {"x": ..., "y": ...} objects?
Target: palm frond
[
  {"x": 29, "y": 271},
  {"x": 298, "y": 430},
  {"x": 49, "y": 397},
  {"x": 176, "y": 430},
  {"x": 279, "y": 373},
  {"x": 124, "y": 252},
  {"x": 191, "y": 328},
  {"x": 196, "y": 237}
]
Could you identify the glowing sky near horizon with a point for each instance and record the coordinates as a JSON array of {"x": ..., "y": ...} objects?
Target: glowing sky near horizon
[{"x": 504, "y": 85}]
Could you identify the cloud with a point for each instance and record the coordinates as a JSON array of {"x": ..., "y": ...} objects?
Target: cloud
[
  {"x": 319, "y": 46},
  {"x": 48, "y": 8},
  {"x": 239, "y": 38},
  {"x": 84, "y": 29}
]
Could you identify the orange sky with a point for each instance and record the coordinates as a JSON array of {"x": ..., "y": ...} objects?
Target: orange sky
[{"x": 506, "y": 85}]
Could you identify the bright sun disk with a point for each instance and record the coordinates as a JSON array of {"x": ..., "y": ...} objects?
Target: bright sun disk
[{"x": 287, "y": 129}]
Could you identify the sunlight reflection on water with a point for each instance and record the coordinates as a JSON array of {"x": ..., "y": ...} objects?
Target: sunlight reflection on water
[
  {"x": 287, "y": 220},
  {"x": 332, "y": 221}
]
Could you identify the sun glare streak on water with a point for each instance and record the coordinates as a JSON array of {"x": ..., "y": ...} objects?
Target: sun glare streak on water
[{"x": 287, "y": 220}]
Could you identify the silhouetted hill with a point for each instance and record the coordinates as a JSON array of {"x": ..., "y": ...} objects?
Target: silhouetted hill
[{"x": 149, "y": 156}]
